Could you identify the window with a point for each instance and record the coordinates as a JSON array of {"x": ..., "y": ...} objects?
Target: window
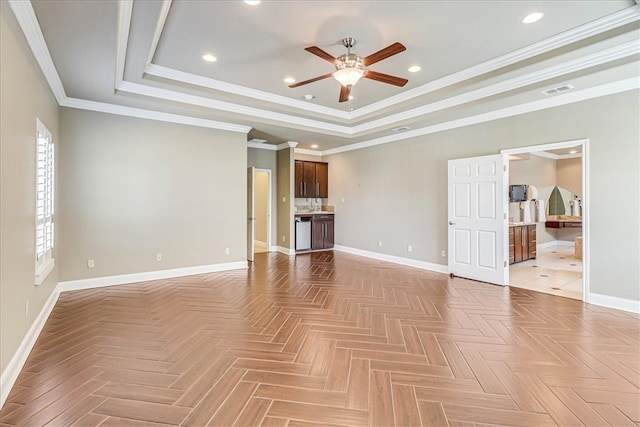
[{"x": 44, "y": 202}]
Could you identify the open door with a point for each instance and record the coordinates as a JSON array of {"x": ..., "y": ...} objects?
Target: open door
[
  {"x": 250, "y": 213},
  {"x": 478, "y": 205}
]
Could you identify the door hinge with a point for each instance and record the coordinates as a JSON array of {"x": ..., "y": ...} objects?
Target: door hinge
[
  {"x": 504, "y": 167},
  {"x": 505, "y": 263},
  {"x": 504, "y": 216}
]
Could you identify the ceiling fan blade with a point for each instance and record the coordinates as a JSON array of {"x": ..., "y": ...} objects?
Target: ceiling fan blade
[
  {"x": 385, "y": 78},
  {"x": 345, "y": 91},
  {"x": 315, "y": 79},
  {"x": 322, "y": 54},
  {"x": 383, "y": 54}
]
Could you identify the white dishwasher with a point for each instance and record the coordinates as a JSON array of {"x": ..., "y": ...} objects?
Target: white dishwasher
[{"x": 303, "y": 233}]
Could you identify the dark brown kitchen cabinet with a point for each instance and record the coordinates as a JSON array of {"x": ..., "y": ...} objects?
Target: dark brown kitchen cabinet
[
  {"x": 322, "y": 232},
  {"x": 522, "y": 243},
  {"x": 299, "y": 179},
  {"x": 311, "y": 179}
]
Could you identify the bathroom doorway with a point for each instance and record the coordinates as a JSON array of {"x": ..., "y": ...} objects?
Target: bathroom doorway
[
  {"x": 553, "y": 221},
  {"x": 262, "y": 210}
]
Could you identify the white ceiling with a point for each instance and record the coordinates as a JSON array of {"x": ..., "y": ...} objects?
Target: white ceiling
[{"x": 479, "y": 61}]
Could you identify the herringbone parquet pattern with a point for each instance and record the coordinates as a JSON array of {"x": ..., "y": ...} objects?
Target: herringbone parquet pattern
[{"x": 328, "y": 339}]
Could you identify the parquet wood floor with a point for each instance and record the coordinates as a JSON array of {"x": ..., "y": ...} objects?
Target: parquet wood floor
[{"x": 328, "y": 339}]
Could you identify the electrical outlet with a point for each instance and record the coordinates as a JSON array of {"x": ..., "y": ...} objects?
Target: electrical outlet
[
  {"x": 284, "y": 239},
  {"x": 443, "y": 253},
  {"x": 90, "y": 263},
  {"x": 342, "y": 200},
  {"x": 158, "y": 257},
  {"x": 409, "y": 248},
  {"x": 227, "y": 251},
  {"x": 26, "y": 309},
  {"x": 284, "y": 200},
  {"x": 379, "y": 243}
]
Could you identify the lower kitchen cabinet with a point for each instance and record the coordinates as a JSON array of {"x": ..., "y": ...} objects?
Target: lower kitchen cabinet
[
  {"x": 522, "y": 243},
  {"x": 322, "y": 236}
]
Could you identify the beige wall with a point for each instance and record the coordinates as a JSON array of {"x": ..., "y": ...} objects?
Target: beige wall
[
  {"x": 24, "y": 96},
  {"x": 397, "y": 192},
  {"x": 541, "y": 173},
  {"x": 266, "y": 159},
  {"x": 261, "y": 199},
  {"x": 285, "y": 202},
  {"x": 132, "y": 188},
  {"x": 569, "y": 173}
]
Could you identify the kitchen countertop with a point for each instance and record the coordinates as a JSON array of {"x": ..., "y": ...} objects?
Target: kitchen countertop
[{"x": 314, "y": 213}]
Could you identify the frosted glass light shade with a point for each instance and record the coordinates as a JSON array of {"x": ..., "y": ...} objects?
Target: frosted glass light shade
[{"x": 348, "y": 76}]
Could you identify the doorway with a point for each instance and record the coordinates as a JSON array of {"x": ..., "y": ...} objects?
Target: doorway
[
  {"x": 259, "y": 193},
  {"x": 559, "y": 261},
  {"x": 262, "y": 202}
]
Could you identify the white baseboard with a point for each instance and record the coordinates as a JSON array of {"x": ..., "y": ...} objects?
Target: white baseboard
[
  {"x": 614, "y": 302},
  {"x": 11, "y": 372},
  {"x": 439, "y": 268},
  {"x": 98, "y": 282},
  {"x": 260, "y": 244},
  {"x": 283, "y": 250},
  {"x": 563, "y": 243}
]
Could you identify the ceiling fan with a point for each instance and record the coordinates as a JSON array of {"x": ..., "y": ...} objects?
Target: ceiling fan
[{"x": 350, "y": 67}]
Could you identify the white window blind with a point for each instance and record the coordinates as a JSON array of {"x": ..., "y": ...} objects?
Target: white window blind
[{"x": 44, "y": 199}]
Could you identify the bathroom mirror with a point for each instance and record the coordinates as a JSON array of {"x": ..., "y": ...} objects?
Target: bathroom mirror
[{"x": 564, "y": 202}]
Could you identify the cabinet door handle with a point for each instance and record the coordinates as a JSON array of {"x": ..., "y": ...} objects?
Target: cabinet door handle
[
  {"x": 301, "y": 189},
  {"x": 522, "y": 235},
  {"x": 304, "y": 189},
  {"x": 317, "y": 189}
]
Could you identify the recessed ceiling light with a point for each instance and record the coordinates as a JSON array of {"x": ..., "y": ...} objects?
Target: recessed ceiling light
[
  {"x": 209, "y": 58},
  {"x": 314, "y": 145},
  {"x": 573, "y": 151},
  {"x": 252, "y": 2},
  {"x": 350, "y": 97},
  {"x": 415, "y": 68},
  {"x": 289, "y": 80},
  {"x": 309, "y": 97},
  {"x": 532, "y": 17}
]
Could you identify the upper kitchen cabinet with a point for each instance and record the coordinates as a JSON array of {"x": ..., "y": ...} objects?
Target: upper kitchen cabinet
[
  {"x": 311, "y": 179},
  {"x": 322, "y": 180}
]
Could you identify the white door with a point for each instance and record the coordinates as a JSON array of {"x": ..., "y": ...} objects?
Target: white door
[
  {"x": 250, "y": 213},
  {"x": 478, "y": 206}
]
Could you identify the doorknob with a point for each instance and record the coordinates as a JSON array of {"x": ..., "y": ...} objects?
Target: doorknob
[{"x": 452, "y": 223}]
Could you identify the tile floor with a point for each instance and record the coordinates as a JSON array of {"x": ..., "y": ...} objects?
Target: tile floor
[{"x": 555, "y": 271}]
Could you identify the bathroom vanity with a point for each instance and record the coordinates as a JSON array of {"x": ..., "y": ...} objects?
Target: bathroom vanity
[{"x": 522, "y": 242}]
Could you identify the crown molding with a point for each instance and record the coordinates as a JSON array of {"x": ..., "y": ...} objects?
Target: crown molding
[
  {"x": 308, "y": 152},
  {"x": 162, "y": 19},
  {"x": 543, "y": 104},
  {"x": 288, "y": 144},
  {"x": 262, "y": 146},
  {"x": 587, "y": 61},
  {"x": 170, "y": 95},
  {"x": 125, "y": 9},
  {"x": 83, "y": 104},
  {"x": 209, "y": 83},
  {"x": 26, "y": 17},
  {"x": 554, "y": 156},
  {"x": 582, "y": 32},
  {"x": 575, "y": 34}
]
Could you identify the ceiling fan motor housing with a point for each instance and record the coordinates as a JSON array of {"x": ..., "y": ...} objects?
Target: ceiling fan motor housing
[{"x": 349, "y": 60}]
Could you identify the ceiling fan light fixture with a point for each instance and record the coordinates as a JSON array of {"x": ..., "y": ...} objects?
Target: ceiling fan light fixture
[
  {"x": 414, "y": 68},
  {"x": 348, "y": 76}
]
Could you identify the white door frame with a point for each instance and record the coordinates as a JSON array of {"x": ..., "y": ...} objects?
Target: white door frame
[
  {"x": 269, "y": 195},
  {"x": 584, "y": 143}
]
